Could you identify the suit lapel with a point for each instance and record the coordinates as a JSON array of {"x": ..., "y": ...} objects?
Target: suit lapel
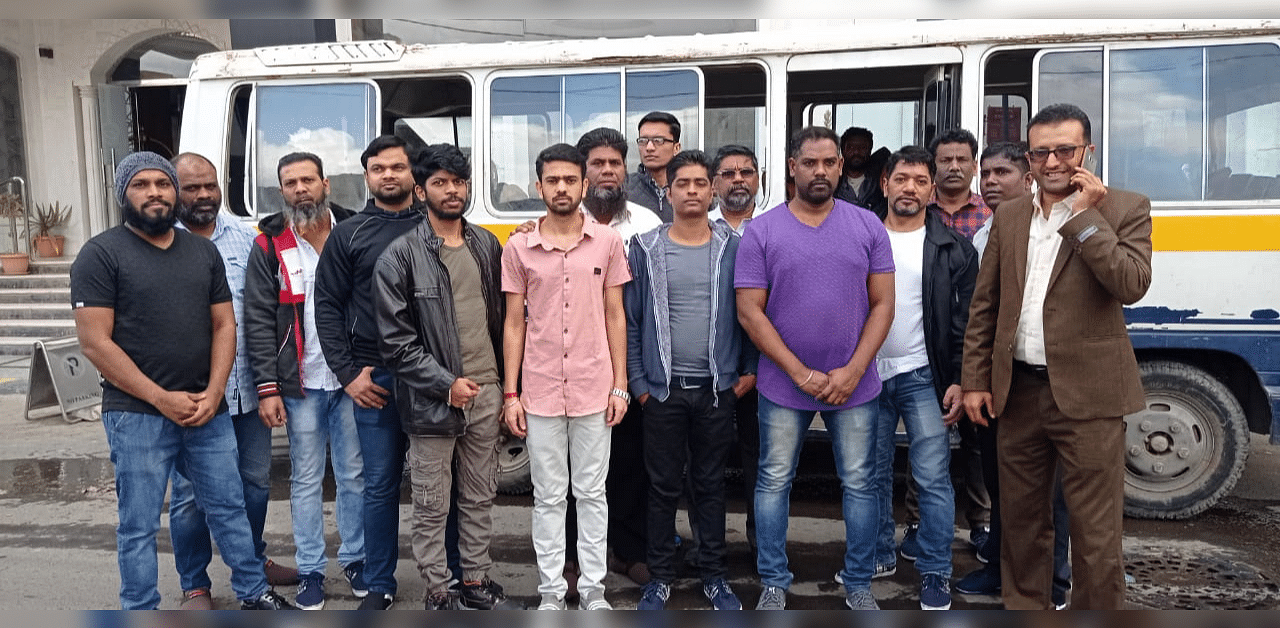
[{"x": 1021, "y": 239}]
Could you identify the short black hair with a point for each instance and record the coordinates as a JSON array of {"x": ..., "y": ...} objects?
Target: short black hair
[
  {"x": 857, "y": 131},
  {"x": 730, "y": 150},
  {"x": 560, "y": 152},
  {"x": 1061, "y": 112},
  {"x": 688, "y": 158},
  {"x": 381, "y": 143},
  {"x": 955, "y": 136},
  {"x": 429, "y": 160},
  {"x": 910, "y": 154},
  {"x": 665, "y": 118},
  {"x": 602, "y": 136},
  {"x": 811, "y": 134},
  {"x": 297, "y": 157},
  {"x": 1015, "y": 152}
]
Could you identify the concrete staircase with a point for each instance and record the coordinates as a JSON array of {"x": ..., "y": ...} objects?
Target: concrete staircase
[{"x": 36, "y": 306}]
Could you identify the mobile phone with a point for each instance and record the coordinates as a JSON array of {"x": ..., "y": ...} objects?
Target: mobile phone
[{"x": 1089, "y": 162}]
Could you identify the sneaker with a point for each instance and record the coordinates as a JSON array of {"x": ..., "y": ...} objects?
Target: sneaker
[
  {"x": 772, "y": 599},
  {"x": 594, "y": 601},
  {"x": 310, "y": 595},
  {"x": 934, "y": 593},
  {"x": 909, "y": 548},
  {"x": 279, "y": 575},
  {"x": 1059, "y": 606},
  {"x": 861, "y": 600},
  {"x": 440, "y": 601},
  {"x": 197, "y": 600},
  {"x": 978, "y": 537},
  {"x": 268, "y": 601},
  {"x": 985, "y": 581},
  {"x": 654, "y": 597},
  {"x": 484, "y": 595},
  {"x": 355, "y": 577},
  {"x": 552, "y": 603},
  {"x": 376, "y": 601},
  {"x": 721, "y": 596},
  {"x": 882, "y": 571}
]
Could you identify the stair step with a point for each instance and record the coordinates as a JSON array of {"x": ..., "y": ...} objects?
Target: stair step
[
  {"x": 59, "y": 266},
  {"x": 37, "y": 328},
  {"x": 50, "y": 280},
  {"x": 36, "y": 295},
  {"x": 17, "y": 345},
  {"x": 28, "y": 311}
]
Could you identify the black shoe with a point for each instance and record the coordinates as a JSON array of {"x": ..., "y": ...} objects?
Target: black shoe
[
  {"x": 484, "y": 595},
  {"x": 377, "y": 601},
  {"x": 442, "y": 601},
  {"x": 268, "y": 601}
]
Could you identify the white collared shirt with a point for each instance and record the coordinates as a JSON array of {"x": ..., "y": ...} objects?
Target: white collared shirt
[
  {"x": 1042, "y": 252},
  {"x": 641, "y": 220},
  {"x": 316, "y": 374},
  {"x": 715, "y": 214}
]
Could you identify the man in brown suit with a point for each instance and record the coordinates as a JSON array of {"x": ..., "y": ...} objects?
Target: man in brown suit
[{"x": 1047, "y": 351}]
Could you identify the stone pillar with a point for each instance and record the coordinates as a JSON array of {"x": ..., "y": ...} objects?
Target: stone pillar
[{"x": 96, "y": 210}]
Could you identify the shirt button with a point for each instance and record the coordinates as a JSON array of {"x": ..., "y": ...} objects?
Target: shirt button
[{"x": 566, "y": 331}]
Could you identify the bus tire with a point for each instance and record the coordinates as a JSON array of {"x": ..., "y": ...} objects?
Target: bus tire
[
  {"x": 514, "y": 476},
  {"x": 1187, "y": 448}
]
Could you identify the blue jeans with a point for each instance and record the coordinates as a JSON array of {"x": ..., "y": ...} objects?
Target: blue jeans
[
  {"x": 383, "y": 445},
  {"x": 853, "y": 439},
  {"x": 192, "y": 549},
  {"x": 320, "y": 422},
  {"x": 145, "y": 449},
  {"x": 911, "y": 396}
]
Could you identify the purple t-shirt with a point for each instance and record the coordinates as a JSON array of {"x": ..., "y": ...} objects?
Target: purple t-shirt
[{"x": 817, "y": 283}]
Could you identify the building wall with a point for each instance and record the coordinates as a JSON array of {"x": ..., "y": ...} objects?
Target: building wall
[{"x": 54, "y": 91}]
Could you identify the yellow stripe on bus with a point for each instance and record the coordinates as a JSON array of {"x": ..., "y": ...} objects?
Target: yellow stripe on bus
[
  {"x": 1169, "y": 233},
  {"x": 1215, "y": 233}
]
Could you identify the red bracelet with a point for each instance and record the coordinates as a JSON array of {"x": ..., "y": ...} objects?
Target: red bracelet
[{"x": 510, "y": 395}]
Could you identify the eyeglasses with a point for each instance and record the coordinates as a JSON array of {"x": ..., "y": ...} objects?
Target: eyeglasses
[
  {"x": 1063, "y": 153},
  {"x": 728, "y": 173},
  {"x": 658, "y": 142}
]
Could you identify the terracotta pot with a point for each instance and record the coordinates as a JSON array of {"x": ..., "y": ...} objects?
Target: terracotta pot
[
  {"x": 49, "y": 246},
  {"x": 15, "y": 263}
]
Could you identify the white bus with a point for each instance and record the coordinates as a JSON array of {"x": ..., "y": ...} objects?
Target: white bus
[{"x": 1186, "y": 112}]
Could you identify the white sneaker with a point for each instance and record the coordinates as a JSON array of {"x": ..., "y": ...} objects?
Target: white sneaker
[
  {"x": 594, "y": 601},
  {"x": 552, "y": 603}
]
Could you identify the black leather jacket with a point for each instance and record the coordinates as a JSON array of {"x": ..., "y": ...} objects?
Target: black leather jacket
[
  {"x": 950, "y": 270},
  {"x": 418, "y": 327}
]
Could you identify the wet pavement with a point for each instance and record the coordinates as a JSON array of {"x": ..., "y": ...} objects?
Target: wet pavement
[{"x": 57, "y": 537}]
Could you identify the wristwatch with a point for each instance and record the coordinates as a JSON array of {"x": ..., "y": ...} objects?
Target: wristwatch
[{"x": 621, "y": 394}]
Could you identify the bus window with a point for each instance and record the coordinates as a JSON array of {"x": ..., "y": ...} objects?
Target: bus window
[
  {"x": 1074, "y": 76},
  {"x": 1006, "y": 96},
  {"x": 238, "y": 152},
  {"x": 1196, "y": 123},
  {"x": 734, "y": 110},
  {"x": 676, "y": 92},
  {"x": 336, "y": 121},
  {"x": 425, "y": 111}
]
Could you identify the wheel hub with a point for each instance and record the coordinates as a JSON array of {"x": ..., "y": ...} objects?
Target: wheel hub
[{"x": 1163, "y": 443}]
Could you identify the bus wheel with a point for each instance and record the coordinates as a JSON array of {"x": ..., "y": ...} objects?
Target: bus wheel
[
  {"x": 1187, "y": 448},
  {"x": 513, "y": 466}
]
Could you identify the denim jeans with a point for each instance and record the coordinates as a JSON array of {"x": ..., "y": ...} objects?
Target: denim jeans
[
  {"x": 853, "y": 439},
  {"x": 145, "y": 449},
  {"x": 192, "y": 549},
  {"x": 911, "y": 396},
  {"x": 383, "y": 445},
  {"x": 320, "y": 422},
  {"x": 693, "y": 426}
]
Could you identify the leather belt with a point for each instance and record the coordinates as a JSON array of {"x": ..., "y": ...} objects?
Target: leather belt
[
  {"x": 1034, "y": 370},
  {"x": 689, "y": 383}
]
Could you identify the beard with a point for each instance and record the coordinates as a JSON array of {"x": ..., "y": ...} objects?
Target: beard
[
  {"x": 815, "y": 197},
  {"x": 393, "y": 198},
  {"x": 605, "y": 202},
  {"x": 739, "y": 199},
  {"x": 906, "y": 210},
  {"x": 445, "y": 214},
  {"x": 198, "y": 214},
  {"x": 305, "y": 213},
  {"x": 151, "y": 225}
]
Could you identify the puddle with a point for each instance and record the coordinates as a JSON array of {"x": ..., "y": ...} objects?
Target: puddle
[{"x": 56, "y": 479}]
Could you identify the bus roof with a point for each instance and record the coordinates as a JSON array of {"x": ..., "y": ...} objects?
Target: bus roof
[{"x": 374, "y": 57}]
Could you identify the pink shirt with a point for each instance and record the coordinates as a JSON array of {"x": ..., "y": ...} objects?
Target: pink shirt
[{"x": 566, "y": 369}]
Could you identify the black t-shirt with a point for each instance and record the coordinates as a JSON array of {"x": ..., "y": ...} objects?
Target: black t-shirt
[{"x": 161, "y": 299}]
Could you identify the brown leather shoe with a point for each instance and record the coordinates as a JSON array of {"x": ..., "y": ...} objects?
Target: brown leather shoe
[
  {"x": 279, "y": 575},
  {"x": 197, "y": 600}
]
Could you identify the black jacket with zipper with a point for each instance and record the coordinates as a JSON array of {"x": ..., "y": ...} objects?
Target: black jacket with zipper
[
  {"x": 950, "y": 270},
  {"x": 273, "y": 343},
  {"x": 418, "y": 326}
]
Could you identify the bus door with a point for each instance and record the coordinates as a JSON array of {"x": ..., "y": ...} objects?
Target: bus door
[{"x": 903, "y": 96}]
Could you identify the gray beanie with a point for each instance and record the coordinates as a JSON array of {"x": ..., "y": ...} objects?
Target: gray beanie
[{"x": 137, "y": 162}]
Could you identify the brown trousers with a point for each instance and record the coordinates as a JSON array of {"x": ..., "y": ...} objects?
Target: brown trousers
[{"x": 1033, "y": 437}]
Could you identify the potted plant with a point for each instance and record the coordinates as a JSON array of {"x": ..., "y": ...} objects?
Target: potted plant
[
  {"x": 15, "y": 262},
  {"x": 46, "y": 218}
]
